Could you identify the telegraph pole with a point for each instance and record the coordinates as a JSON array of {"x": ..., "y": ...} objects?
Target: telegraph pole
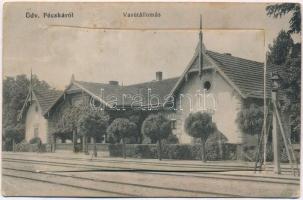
[
  {"x": 275, "y": 134},
  {"x": 266, "y": 112}
]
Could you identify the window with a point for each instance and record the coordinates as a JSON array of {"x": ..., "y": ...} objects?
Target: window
[
  {"x": 173, "y": 124},
  {"x": 36, "y": 108},
  {"x": 36, "y": 132},
  {"x": 207, "y": 85}
]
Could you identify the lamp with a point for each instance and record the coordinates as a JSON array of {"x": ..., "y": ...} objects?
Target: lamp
[{"x": 275, "y": 81}]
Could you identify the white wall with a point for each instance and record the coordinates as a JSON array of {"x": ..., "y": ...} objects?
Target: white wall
[
  {"x": 221, "y": 100},
  {"x": 34, "y": 119}
]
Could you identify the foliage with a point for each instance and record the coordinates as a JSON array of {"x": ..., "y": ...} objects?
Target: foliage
[
  {"x": 138, "y": 119},
  {"x": 175, "y": 151},
  {"x": 15, "y": 91},
  {"x": 120, "y": 129},
  {"x": 12, "y": 134},
  {"x": 281, "y": 9},
  {"x": 280, "y": 48},
  {"x": 291, "y": 84},
  {"x": 250, "y": 119},
  {"x": 93, "y": 124},
  {"x": 200, "y": 125},
  {"x": 157, "y": 127},
  {"x": 35, "y": 140},
  {"x": 172, "y": 139},
  {"x": 71, "y": 117},
  {"x": 285, "y": 57},
  {"x": 24, "y": 146}
]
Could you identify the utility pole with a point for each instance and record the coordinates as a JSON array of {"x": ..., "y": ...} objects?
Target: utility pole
[
  {"x": 275, "y": 134},
  {"x": 266, "y": 112}
]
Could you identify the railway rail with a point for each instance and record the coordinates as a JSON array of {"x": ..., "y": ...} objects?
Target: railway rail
[
  {"x": 130, "y": 178},
  {"x": 196, "y": 174},
  {"x": 119, "y": 183}
]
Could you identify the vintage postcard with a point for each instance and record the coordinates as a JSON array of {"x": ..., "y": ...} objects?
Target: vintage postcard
[{"x": 151, "y": 99}]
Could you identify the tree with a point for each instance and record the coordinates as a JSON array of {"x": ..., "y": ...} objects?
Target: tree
[
  {"x": 157, "y": 127},
  {"x": 200, "y": 125},
  {"x": 291, "y": 87},
  {"x": 285, "y": 56},
  {"x": 93, "y": 124},
  {"x": 71, "y": 117},
  {"x": 280, "y": 48},
  {"x": 15, "y": 91},
  {"x": 120, "y": 129},
  {"x": 281, "y": 9},
  {"x": 250, "y": 119},
  {"x": 12, "y": 135},
  {"x": 172, "y": 139},
  {"x": 138, "y": 119}
]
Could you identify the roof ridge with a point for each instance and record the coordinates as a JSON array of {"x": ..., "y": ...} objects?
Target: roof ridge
[
  {"x": 235, "y": 57},
  {"x": 153, "y": 81},
  {"x": 91, "y": 82}
]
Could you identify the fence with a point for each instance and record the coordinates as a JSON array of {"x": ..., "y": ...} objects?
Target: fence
[
  {"x": 69, "y": 147},
  {"x": 175, "y": 151}
]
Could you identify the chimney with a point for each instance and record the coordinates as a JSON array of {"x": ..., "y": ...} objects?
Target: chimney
[
  {"x": 113, "y": 82},
  {"x": 158, "y": 76},
  {"x": 72, "y": 78},
  {"x": 228, "y": 54}
]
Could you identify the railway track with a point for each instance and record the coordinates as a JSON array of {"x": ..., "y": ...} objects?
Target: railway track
[
  {"x": 111, "y": 178},
  {"x": 131, "y": 186},
  {"x": 213, "y": 166},
  {"x": 193, "y": 174}
]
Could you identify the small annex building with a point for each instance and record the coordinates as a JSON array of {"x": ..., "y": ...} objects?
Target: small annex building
[{"x": 36, "y": 104}]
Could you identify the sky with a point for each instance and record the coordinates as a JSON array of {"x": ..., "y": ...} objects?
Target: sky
[{"x": 99, "y": 44}]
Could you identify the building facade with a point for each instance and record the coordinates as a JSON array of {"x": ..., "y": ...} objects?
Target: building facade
[{"x": 217, "y": 83}]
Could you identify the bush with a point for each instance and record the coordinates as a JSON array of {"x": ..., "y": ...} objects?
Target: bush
[
  {"x": 23, "y": 147},
  {"x": 35, "y": 140},
  {"x": 146, "y": 151},
  {"x": 11, "y": 135},
  {"x": 27, "y": 147},
  {"x": 174, "y": 151},
  {"x": 172, "y": 139}
]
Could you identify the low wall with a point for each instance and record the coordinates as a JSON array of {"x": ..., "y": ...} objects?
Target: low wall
[
  {"x": 69, "y": 147},
  {"x": 64, "y": 147},
  {"x": 26, "y": 147}
]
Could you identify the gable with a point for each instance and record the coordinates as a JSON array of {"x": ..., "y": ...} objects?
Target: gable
[
  {"x": 245, "y": 76},
  {"x": 195, "y": 64},
  {"x": 72, "y": 88},
  {"x": 43, "y": 98},
  {"x": 46, "y": 98}
]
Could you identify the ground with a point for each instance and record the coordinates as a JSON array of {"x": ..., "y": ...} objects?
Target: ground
[{"x": 68, "y": 174}]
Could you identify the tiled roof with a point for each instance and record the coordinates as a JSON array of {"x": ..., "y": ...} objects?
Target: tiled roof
[
  {"x": 160, "y": 88},
  {"x": 46, "y": 98},
  {"x": 247, "y": 75}
]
